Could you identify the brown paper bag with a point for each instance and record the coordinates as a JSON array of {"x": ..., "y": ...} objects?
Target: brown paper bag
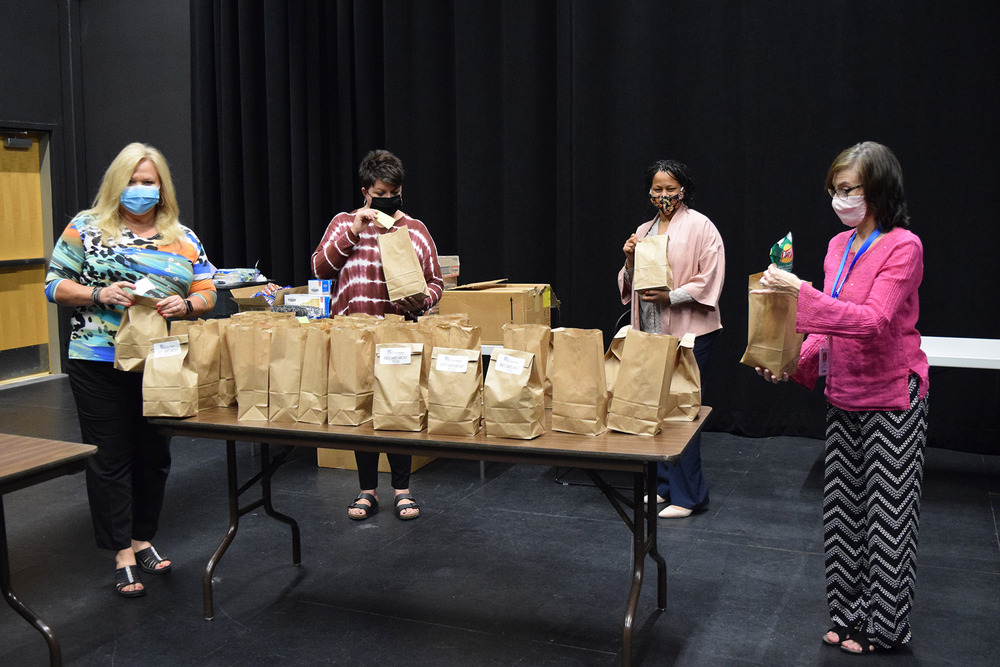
[
  {"x": 640, "y": 399},
  {"x": 684, "y": 400},
  {"x": 284, "y": 373},
  {"x": 652, "y": 268},
  {"x": 452, "y": 334},
  {"x": 204, "y": 344},
  {"x": 579, "y": 387},
  {"x": 314, "y": 384},
  {"x": 613, "y": 358},
  {"x": 227, "y": 380},
  {"x": 351, "y": 379},
  {"x": 250, "y": 349},
  {"x": 403, "y": 275},
  {"x": 513, "y": 396},
  {"x": 169, "y": 383},
  {"x": 391, "y": 331},
  {"x": 537, "y": 339},
  {"x": 772, "y": 341},
  {"x": 397, "y": 401},
  {"x": 455, "y": 392},
  {"x": 140, "y": 323}
]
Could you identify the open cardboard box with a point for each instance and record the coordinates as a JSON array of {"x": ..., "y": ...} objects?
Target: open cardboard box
[
  {"x": 245, "y": 300},
  {"x": 492, "y": 303}
]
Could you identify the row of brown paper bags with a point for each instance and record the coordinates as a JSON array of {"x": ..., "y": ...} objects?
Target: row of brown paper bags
[{"x": 337, "y": 371}]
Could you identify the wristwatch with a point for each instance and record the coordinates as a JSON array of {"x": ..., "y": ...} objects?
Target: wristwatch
[{"x": 190, "y": 308}]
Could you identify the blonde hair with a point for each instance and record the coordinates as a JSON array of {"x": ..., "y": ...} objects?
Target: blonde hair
[{"x": 106, "y": 211}]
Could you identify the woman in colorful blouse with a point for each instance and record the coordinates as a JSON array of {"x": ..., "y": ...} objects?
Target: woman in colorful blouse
[
  {"x": 863, "y": 338},
  {"x": 131, "y": 233},
  {"x": 697, "y": 257}
]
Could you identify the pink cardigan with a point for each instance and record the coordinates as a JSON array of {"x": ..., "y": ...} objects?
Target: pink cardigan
[
  {"x": 871, "y": 327},
  {"x": 698, "y": 261}
]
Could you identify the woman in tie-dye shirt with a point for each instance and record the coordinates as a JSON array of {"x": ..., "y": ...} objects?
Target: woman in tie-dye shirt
[{"x": 131, "y": 233}]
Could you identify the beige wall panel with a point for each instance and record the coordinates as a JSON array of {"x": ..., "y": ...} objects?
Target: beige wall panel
[
  {"x": 21, "y": 226},
  {"x": 23, "y": 316}
]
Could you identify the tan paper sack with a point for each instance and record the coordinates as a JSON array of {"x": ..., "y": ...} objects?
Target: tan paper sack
[
  {"x": 579, "y": 387},
  {"x": 284, "y": 373},
  {"x": 639, "y": 403},
  {"x": 397, "y": 402},
  {"x": 772, "y": 341},
  {"x": 613, "y": 358},
  {"x": 140, "y": 323},
  {"x": 513, "y": 396},
  {"x": 204, "y": 344},
  {"x": 314, "y": 384},
  {"x": 169, "y": 383},
  {"x": 684, "y": 400},
  {"x": 652, "y": 268},
  {"x": 351, "y": 379},
  {"x": 455, "y": 392},
  {"x": 403, "y": 275},
  {"x": 250, "y": 348},
  {"x": 227, "y": 379}
]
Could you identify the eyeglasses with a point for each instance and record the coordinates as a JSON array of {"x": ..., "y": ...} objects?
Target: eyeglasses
[{"x": 842, "y": 193}]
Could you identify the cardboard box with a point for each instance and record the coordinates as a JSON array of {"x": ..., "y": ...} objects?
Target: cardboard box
[
  {"x": 344, "y": 459},
  {"x": 449, "y": 265},
  {"x": 318, "y": 304},
  {"x": 244, "y": 299},
  {"x": 491, "y": 304},
  {"x": 321, "y": 287}
]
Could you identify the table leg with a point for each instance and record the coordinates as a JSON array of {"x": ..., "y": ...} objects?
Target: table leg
[
  {"x": 55, "y": 653},
  {"x": 234, "y": 524},
  {"x": 638, "y": 563},
  {"x": 654, "y": 550},
  {"x": 266, "y": 472}
]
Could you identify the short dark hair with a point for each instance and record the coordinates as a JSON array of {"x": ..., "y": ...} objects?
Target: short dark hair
[
  {"x": 681, "y": 173},
  {"x": 381, "y": 165},
  {"x": 882, "y": 179}
]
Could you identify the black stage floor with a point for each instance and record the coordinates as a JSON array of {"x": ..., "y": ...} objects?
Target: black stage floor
[{"x": 527, "y": 567}]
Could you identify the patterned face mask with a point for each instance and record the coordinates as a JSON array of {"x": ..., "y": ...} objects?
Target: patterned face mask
[{"x": 666, "y": 203}]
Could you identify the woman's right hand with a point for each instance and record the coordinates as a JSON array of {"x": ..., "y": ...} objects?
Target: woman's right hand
[
  {"x": 629, "y": 249},
  {"x": 364, "y": 217},
  {"x": 769, "y": 376},
  {"x": 115, "y": 294}
]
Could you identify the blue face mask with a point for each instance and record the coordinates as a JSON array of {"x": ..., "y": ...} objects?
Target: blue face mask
[{"x": 139, "y": 199}]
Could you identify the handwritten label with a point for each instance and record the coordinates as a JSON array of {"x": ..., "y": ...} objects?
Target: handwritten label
[
  {"x": 452, "y": 363},
  {"x": 508, "y": 364},
  {"x": 394, "y": 356},
  {"x": 168, "y": 348}
]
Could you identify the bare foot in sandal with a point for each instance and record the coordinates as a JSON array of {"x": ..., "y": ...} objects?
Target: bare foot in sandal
[
  {"x": 364, "y": 505},
  {"x": 406, "y": 507}
]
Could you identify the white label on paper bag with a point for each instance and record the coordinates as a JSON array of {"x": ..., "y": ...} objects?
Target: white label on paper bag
[
  {"x": 394, "y": 356},
  {"x": 144, "y": 286},
  {"x": 168, "y": 348},
  {"x": 452, "y": 363},
  {"x": 508, "y": 364}
]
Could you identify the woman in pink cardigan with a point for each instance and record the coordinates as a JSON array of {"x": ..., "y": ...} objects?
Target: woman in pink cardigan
[{"x": 863, "y": 338}]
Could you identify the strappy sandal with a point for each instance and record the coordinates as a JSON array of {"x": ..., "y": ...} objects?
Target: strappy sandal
[
  {"x": 368, "y": 509},
  {"x": 410, "y": 505},
  {"x": 843, "y": 632},
  {"x": 126, "y": 576},
  {"x": 868, "y": 647},
  {"x": 148, "y": 559}
]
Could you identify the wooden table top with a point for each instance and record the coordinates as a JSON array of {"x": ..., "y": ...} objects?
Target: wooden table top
[
  {"x": 609, "y": 446},
  {"x": 22, "y": 457}
]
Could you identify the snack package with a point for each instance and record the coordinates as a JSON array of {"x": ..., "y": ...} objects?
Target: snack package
[{"x": 781, "y": 253}]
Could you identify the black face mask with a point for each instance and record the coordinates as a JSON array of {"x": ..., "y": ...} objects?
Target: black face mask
[{"x": 387, "y": 205}]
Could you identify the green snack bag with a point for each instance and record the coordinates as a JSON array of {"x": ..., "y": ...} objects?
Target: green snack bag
[{"x": 781, "y": 253}]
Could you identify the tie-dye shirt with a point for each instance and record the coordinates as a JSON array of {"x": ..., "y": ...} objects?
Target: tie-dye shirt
[{"x": 80, "y": 255}]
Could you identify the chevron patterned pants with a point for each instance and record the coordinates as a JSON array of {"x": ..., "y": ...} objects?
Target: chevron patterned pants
[{"x": 871, "y": 506}]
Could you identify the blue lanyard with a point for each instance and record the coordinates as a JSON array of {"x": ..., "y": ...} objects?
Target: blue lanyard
[{"x": 837, "y": 285}]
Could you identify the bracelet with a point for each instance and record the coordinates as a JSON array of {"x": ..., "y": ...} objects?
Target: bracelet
[{"x": 95, "y": 295}]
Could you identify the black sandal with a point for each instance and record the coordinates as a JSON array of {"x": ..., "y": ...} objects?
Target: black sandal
[
  {"x": 148, "y": 559},
  {"x": 410, "y": 505},
  {"x": 369, "y": 509},
  {"x": 126, "y": 576},
  {"x": 868, "y": 647},
  {"x": 843, "y": 632}
]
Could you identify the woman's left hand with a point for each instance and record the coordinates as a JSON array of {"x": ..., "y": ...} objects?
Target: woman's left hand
[
  {"x": 411, "y": 303},
  {"x": 658, "y": 295},
  {"x": 779, "y": 280},
  {"x": 172, "y": 306}
]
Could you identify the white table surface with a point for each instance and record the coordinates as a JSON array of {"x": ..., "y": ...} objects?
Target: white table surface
[{"x": 961, "y": 352}]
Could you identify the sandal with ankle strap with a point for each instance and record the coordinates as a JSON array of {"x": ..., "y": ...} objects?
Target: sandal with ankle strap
[
  {"x": 148, "y": 559},
  {"x": 411, "y": 504},
  {"x": 368, "y": 509},
  {"x": 126, "y": 576},
  {"x": 843, "y": 633}
]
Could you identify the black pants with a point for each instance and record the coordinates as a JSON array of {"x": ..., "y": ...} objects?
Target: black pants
[
  {"x": 127, "y": 477},
  {"x": 368, "y": 469}
]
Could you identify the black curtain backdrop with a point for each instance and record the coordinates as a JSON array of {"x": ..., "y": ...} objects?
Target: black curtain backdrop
[{"x": 526, "y": 126}]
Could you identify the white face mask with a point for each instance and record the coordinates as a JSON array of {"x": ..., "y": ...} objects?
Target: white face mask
[{"x": 852, "y": 210}]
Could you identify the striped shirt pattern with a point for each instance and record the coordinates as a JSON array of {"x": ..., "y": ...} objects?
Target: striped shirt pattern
[{"x": 355, "y": 263}]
